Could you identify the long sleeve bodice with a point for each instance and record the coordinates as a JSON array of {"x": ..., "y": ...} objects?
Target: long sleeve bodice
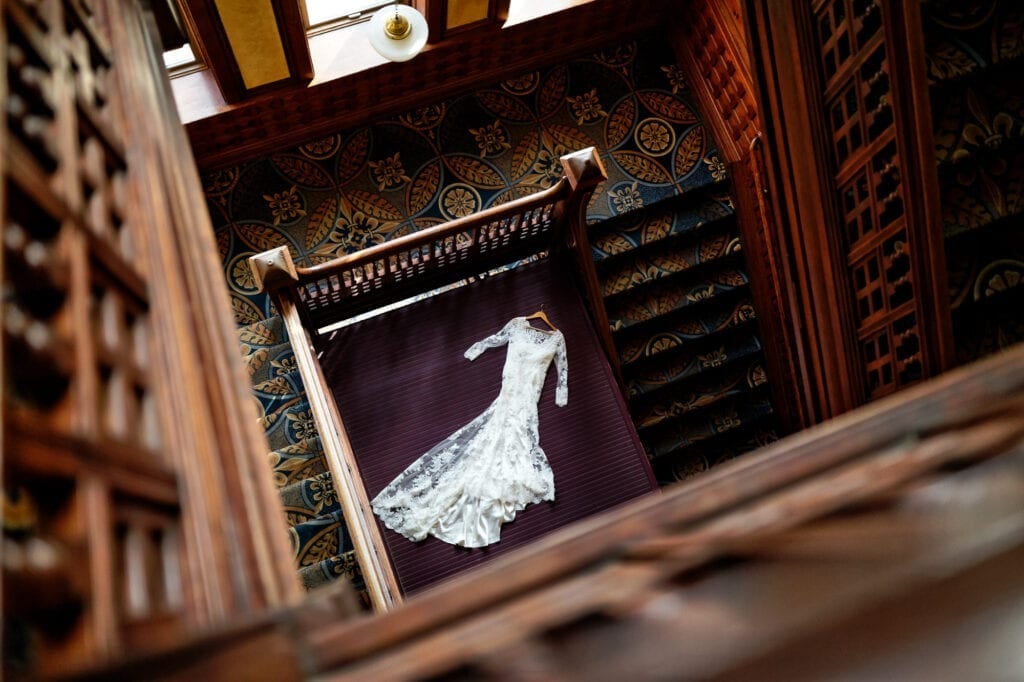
[{"x": 530, "y": 351}]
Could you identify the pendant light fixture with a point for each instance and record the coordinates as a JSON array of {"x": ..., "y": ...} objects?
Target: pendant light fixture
[{"x": 398, "y": 32}]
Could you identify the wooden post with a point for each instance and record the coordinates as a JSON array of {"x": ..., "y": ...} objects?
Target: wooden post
[
  {"x": 585, "y": 171},
  {"x": 273, "y": 271}
]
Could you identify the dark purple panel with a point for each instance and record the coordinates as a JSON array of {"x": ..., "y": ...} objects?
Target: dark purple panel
[{"x": 402, "y": 385}]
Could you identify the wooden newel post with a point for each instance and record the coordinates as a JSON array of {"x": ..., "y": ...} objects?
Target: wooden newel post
[
  {"x": 585, "y": 172},
  {"x": 275, "y": 273},
  {"x": 272, "y": 269}
]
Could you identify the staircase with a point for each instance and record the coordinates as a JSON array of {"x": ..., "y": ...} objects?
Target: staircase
[
  {"x": 319, "y": 537},
  {"x": 678, "y": 303},
  {"x": 671, "y": 270}
]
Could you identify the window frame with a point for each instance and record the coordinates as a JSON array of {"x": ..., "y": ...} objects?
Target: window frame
[{"x": 338, "y": 23}]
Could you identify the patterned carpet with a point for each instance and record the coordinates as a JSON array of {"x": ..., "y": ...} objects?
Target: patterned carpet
[
  {"x": 665, "y": 242},
  {"x": 974, "y": 54},
  {"x": 361, "y": 187}
]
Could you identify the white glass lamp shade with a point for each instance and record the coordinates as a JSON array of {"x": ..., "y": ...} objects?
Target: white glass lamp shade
[{"x": 398, "y": 49}]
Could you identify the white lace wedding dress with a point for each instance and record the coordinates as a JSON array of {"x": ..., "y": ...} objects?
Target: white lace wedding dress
[{"x": 476, "y": 479}]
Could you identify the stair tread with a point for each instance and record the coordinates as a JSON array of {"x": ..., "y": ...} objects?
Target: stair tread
[
  {"x": 657, "y": 223},
  {"x": 319, "y": 538},
  {"x": 688, "y": 365},
  {"x": 278, "y": 390},
  {"x": 720, "y": 419},
  {"x": 707, "y": 389},
  {"x": 688, "y": 328},
  {"x": 313, "y": 497},
  {"x": 291, "y": 423},
  {"x": 342, "y": 565},
  {"x": 668, "y": 295},
  {"x": 692, "y": 460},
  {"x": 262, "y": 333},
  {"x": 643, "y": 266},
  {"x": 296, "y": 462},
  {"x": 266, "y": 362}
]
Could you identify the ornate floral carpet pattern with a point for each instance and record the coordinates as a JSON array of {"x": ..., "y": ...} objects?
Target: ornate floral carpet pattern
[
  {"x": 665, "y": 242},
  {"x": 975, "y": 51}
]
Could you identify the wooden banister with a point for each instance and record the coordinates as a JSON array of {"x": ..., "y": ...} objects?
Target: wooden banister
[
  {"x": 417, "y": 263},
  {"x": 901, "y": 506}
]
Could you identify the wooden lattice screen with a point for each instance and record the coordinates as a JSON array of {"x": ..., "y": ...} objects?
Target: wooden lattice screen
[{"x": 106, "y": 415}]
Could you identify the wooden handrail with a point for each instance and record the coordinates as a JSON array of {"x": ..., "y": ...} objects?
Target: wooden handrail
[
  {"x": 436, "y": 233},
  {"x": 906, "y": 497},
  {"x": 426, "y": 260}
]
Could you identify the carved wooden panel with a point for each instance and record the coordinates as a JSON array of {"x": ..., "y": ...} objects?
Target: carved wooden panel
[
  {"x": 709, "y": 44},
  {"x": 95, "y": 561},
  {"x": 879, "y": 229},
  {"x": 83, "y": 438}
]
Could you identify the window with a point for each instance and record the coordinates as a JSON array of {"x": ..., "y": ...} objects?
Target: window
[
  {"x": 324, "y": 14},
  {"x": 179, "y": 57},
  {"x": 176, "y": 37}
]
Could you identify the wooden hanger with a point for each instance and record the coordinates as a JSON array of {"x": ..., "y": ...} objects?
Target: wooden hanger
[{"x": 542, "y": 316}]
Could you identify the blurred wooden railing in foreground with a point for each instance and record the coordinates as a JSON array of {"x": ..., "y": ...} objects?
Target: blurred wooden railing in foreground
[{"x": 883, "y": 544}]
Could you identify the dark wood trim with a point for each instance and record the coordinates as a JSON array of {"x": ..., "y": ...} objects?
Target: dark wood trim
[
  {"x": 230, "y": 499},
  {"x": 212, "y": 39},
  {"x": 808, "y": 261},
  {"x": 266, "y": 124},
  {"x": 436, "y": 13},
  {"x": 916, "y": 143},
  {"x": 291, "y": 26},
  {"x": 717, "y": 71},
  {"x": 213, "y": 42},
  {"x": 768, "y": 288}
]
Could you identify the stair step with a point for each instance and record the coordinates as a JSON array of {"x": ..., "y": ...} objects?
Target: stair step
[
  {"x": 710, "y": 388},
  {"x": 673, "y": 368},
  {"x": 312, "y": 497},
  {"x": 669, "y": 295},
  {"x": 290, "y": 424},
  {"x": 613, "y": 238},
  {"x": 262, "y": 333},
  {"x": 670, "y": 258},
  {"x": 691, "y": 461},
  {"x": 319, "y": 538},
  {"x": 269, "y": 362},
  {"x": 720, "y": 419},
  {"x": 280, "y": 390},
  {"x": 692, "y": 330},
  {"x": 343, "y": 565},
  {"x": 297, "y": 462}
]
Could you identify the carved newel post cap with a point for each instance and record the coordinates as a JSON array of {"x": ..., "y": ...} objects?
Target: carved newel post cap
[
  {"x": 584, "y": 168},
  {"x": 273, "y": 268}
]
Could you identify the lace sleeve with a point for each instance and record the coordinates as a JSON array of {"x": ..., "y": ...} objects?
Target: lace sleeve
[
  {"x": 492, "y": 341},
  {"x": 562, "y": 367}
]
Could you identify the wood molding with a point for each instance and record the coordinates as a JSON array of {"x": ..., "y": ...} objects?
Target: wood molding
[
  {"x": 293, "y": 37},
  {"x": 768, "y": 289},
  {"x": 239, "y": 557},
  {"x": 290, "y": 117},
  {"x": 436, "y": 12},
  {"x": 916, "y": 138},
  {"x": 219, "y": 56},
  {"x": 707, "y": 45},
  {"x": 212, "y": 44},
  {"x": 807, "y": 260}
]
